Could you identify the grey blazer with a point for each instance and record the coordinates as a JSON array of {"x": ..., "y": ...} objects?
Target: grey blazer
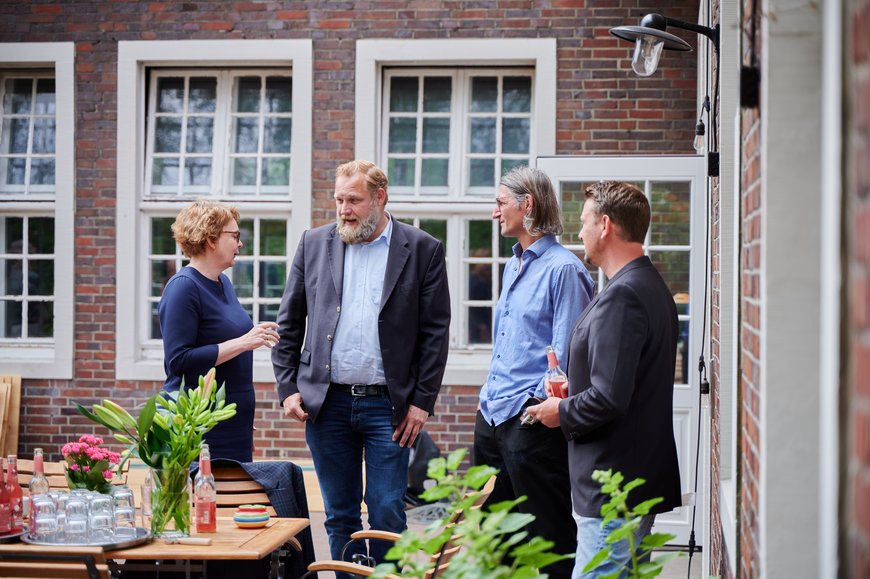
[
  {"x": 413, "y": 324},
  {"x": 619, "y": 413}
]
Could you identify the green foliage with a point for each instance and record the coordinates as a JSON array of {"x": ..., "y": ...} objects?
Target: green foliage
[
  {"x": 617, "y": 508},
  {"x": 493, "y": 542},
  {"x": 168, "y": 432}
]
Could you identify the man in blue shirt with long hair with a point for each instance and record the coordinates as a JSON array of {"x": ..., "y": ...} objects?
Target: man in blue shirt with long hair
[{"x": 544, "y": 290}]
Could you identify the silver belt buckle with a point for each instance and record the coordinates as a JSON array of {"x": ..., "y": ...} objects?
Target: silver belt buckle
[{"x": 357, "y": 390}]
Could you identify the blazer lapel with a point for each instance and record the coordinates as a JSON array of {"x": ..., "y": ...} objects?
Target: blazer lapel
[
  {"x": 396, "y": 260},
  {"x": 336, "y": 261}
]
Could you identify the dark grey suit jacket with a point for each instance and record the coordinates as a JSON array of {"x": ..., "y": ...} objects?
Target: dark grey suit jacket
[
  {"x": 619, "y": 413},
  {"x": 413, "y": 324}
]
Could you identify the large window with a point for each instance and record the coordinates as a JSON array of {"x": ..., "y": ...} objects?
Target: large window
[
  {"x": 36, "y": 217},
  {"x": 446, "y": 129},
  {"x": 225, "y": 125}
]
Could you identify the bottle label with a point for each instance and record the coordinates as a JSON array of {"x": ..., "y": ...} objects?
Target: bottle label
[
  {"x": 206, "y": 521},
  {"x": 5, "y": 518}
]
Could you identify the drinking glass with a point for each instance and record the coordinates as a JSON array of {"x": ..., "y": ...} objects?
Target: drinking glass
[
  {"x": 44, "y": 528},
  {"x": 76, "y": 530},
  {"x": 123, "y": 496},
  {"x": 125, "y": 522},
  {"x": 101, "y": 527}
]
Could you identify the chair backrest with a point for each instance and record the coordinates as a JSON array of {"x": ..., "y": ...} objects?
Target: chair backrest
[
  {"x": 235, "y": 487},
  {"x": 69, "y": 563},
  {"x": 54, "y": 472}
]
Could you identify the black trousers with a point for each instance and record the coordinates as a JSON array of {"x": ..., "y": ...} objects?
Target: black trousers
[{"x": 532, "y": 461}]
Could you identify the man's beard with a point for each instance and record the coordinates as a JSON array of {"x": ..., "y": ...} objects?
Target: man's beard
[{"x": 363, "y": 230}]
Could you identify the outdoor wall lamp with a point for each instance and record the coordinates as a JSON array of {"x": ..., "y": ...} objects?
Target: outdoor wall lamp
[{"x": 651, "y": 38}]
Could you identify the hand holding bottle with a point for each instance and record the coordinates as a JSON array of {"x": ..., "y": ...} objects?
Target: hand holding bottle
[{"x": 555, "y": 381}]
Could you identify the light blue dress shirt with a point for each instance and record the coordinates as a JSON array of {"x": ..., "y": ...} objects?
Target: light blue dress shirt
[
  {"x": 538, "y": 306},
  {"x": 356, "y": 351}
]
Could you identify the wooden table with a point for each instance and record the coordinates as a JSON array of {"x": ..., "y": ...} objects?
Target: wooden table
[{"x": 230, "y": 542}]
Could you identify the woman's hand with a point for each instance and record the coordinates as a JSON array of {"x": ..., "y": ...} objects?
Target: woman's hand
[{"x": 263, "y": 334}]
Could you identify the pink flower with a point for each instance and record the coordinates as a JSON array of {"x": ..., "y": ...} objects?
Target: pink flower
[{"x": 74, "y": 467}]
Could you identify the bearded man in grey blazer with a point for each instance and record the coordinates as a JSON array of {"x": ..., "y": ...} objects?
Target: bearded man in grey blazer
[
  {"x": 621, "y": 362},
  {"x": 364, "y": 334}
]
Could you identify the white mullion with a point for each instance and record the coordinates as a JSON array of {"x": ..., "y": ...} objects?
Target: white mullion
[
  {"x": 453, "y": 255},
  {"x": 255, "y": 270},
  {"x": 462, "y": 99},
  {"x": 499, "y": 123},
  {"x": 221, "y": 162},
  {"x": 418, "y": 145},
  {"x": 182, "y": 146},
  {"x": 31, "y": 128},
  {"x": 261, "y": 138}
]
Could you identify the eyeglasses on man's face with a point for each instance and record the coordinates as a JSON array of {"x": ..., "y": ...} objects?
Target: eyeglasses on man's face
[{"x": 237, "y": 235}]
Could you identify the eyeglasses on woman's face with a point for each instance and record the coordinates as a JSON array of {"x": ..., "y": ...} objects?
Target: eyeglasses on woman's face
[{"x": 237, "y": 235}]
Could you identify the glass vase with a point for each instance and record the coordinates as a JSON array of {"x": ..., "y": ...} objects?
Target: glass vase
[{"x": 170, "y": 502}]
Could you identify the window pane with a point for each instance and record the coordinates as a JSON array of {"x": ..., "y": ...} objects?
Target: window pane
[
  {"x": 276, "y": 172},
  {"x": 479, "y": 281},
  {"x": 481, "y": 174},
  {"x": 45, "y": 97},
  {"x": 480, "y": 238},
  {"x": 15, "y": 171},
  {"x": 200, "y": 134},
  {"x": 517, "y": 94},
  {"x": 248, "y": 94},
  {"x": 484, "y": 94},
  {"x": 279, "y": 94},
  {"x": 42, "y": 172},
  {"x": 273, "y": 237},
  {"x": 401, "y": 172},
  {"x": 436, "y": 135},
  {"x": 505, "y": 246},
  {"x": 434, "y": 173},
  {"x": 482, "y": 136},
  {"x": 403, "y": 135},
  {"x": 17, "y": 97},
  {"x": 437, "y": 228},
  {"x": 197, "y": 171},
  {"x": 165, "y": 172},
  {"x": 15, "y": 132},
  {"x": 437, "y": 94},
  {"x": 277, "y": 135},
  {"x": 269, "y": 312},
  {"x": 40, "y": 277},
  {"x": 170, "y": 95},
  {"x": 246, "y": 227},
  {"x": 670, "y": 204},
  {"x": 515, "y": 136},
  {"x": 13, "y": 228},
  {"x": 508, "y": 164},
  {"x": 155, "y": 323},
  {"x": 162, "y": 242},
  {"x": 40, "y": 234},
  {"x": 273, "y": 277},
  {"x": 246, "y": 134},
  {"x": 40, "y": 317},
  {"x": 245, "y": 172},
  {"x": 403, "y": 94},
  {"x": 161, "y": 271},
  {"x": 13, "y": 282},
  {"x": 243, "y": 279},
  {"x": 674, "y": 269},
  {"x": 167, "y": 135},
  {"x": 43, "y": 136},
  {"x": 479, "y": 325},
  {"x": 12, "y": 319},
  {"x": 203, "y": 95}
]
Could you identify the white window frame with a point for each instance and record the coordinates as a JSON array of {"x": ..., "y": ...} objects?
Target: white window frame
[
  {"x": 135, "y": 359},
  {"x": 464, "y": 366},
  {"x": 49, "y": 358}
]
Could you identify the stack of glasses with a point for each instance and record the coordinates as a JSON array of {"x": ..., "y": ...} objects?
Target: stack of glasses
[{"x": 83, "y": 517}]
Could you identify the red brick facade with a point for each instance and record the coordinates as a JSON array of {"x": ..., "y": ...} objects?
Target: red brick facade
[
  {"x": 856, "y": 137},
  {"x": 601, "y": 108}
]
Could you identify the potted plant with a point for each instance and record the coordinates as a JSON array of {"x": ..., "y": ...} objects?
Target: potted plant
[
  {"x": 87, "y": 465},
  {"x": 167, "y": 436}
]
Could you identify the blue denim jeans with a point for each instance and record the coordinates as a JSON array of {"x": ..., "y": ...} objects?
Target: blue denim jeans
[
  {"x": 590, "y": 540},
  {"x": 348, "y": 430}
]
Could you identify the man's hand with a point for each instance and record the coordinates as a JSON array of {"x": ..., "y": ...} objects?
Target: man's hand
[
  {"x": 407, "y": 431},
  {"x": 547, "y": 412},
  {"x": 293, "y": 407}
]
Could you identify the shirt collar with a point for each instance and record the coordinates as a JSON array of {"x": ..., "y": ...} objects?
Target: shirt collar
[{"x": 538, "y": 248}]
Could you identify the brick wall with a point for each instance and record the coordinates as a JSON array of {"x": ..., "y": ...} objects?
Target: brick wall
[
  {"x": 855, "y": 515},
  {"x": 602, "y": 108}
]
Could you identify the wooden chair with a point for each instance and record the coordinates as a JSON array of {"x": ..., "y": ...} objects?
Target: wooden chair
[
  {"x": 54, "y": 472},
  {"x": 440, "y": 560},
  {"x": 53, "y": 563}
]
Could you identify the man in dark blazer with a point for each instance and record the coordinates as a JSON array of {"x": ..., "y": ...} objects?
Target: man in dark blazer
[
  {"x": 621, "y": 361},
  {"x": 364, "y": 334}
]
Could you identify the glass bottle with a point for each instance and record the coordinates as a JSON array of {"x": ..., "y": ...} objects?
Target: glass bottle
[
  {"x": 16, "y": 497},
  {"x": 555, "y": 375},
  {"x": 5, "y": 507},
  {"x": 38, "y": 483},
  {"x": 205, "y": 491},
  {"x": 146, "y": 499}
]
